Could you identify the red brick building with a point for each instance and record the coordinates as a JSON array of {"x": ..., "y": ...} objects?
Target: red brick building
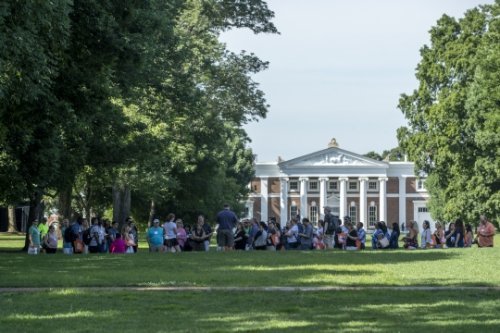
[{"x": 365, "y": 189}]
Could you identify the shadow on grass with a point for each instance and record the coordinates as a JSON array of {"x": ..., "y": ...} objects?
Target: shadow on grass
[{"x": 353, "y": 311}]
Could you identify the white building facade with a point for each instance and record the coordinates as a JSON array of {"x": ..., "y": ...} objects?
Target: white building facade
[{"x": 352, "y": 185}]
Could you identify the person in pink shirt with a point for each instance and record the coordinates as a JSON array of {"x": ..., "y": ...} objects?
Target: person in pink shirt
[
  {"x": 118, "y": 245},
  {"x": 485, "y": 232},
  {"x": 181, "y": 234}
]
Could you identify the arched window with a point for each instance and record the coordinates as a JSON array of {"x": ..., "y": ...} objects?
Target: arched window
[
  {"x": 372, "y": 214},
  {"x": 353, "y": 212},
  {"x": 293, "y": 209},
  {"x": 313, "y": 213}
]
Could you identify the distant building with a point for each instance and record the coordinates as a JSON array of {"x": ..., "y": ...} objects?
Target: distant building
[{"x": 367, "y": 190}]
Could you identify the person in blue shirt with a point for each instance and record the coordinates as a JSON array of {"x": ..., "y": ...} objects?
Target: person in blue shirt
[
  {"x": 227, "y": 220},
  {"x": 155, "y": 237}
]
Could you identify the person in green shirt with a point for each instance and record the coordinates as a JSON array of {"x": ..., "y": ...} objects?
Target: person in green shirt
[
  {"x": 34, "y": 234},
  {"x": 43, "y": 228}
]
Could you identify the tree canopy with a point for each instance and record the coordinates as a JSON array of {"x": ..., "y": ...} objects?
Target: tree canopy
[
  {"x": 139, "y": 96},
  {"x": 454, "y": 115}
]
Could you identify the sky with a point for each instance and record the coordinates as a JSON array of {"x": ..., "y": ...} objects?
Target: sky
[{"x": 337, "y": 70}]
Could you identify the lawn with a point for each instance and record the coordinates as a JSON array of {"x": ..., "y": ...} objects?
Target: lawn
[{"x": 373, "y": 308}]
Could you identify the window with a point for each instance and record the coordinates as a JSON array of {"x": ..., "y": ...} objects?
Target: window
[
  {"x": 313, "y": 186},
  {"x": 313, "y": 214},
  {"x": 422, "y": 209},
  {"x": 333, "y": 185},
  {"x": 372, "y": 215},
  {"x": 294, "y": 185},
  {"x": 293, "y": 210},
  {"x": 353, "y": 213},
  {"x": 353, "y": 186},
  {"x": 372, "y": 185},
  {"x": 420, "y": 184}
]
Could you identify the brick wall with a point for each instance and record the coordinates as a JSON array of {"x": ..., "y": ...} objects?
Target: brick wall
[{"x": 393, "y": 185}]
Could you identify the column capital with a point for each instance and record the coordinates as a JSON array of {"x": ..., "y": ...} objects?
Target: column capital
[
  {"x": 303, "y": 179},
  {"x": 383, "y": 179},
  {"x": 363, "y": 179},
  {"x": 343, "y": 179},
  {"x": 285, "y": 179},
  {"x": 324, "y": 179}
]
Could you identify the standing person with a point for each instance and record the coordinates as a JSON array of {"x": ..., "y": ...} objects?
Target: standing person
[
  {"x": 50, "y": 240},
  {"x": 135, "y": 233},
  {"x": 34, "y": 237},
  {"x": 318, "y": 243},
  {"x": 227, "y": 220},
  {"x": 260, "y": 239},
  {"x": 118, "y": 245},
  {"x": 128, "y": 237},
  {"x": 208, "y": 231},
  {"x": 425, "y": 237},
  {"x": 67, "y": 237},
  {"x": 112, "y": 232},
  {"x": 292, "y": 235},
  {"x": 331, "y": 225},
  {"x": 306, "y": 237},
  {"x": 155, "y": 237},
  {"x": 181, "y": 234},
  {"x": 485, "y": 232},
  {"x": 44, "y": 229},
  {"x": 96, "y": 237},
  {"x": 254, "y": 229},
  {"x": 77, "y": 235},
  {"x": 170, "y": 234},
  {"x": 240, "y": 237}
]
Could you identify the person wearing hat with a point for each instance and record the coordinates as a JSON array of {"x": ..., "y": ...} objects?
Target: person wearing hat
[{"x": 155, "y": 237}]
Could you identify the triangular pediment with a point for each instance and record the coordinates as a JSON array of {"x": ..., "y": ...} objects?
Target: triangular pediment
[{"x": 332, "y": 157}]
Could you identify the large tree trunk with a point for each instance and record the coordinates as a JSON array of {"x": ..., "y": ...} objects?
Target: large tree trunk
[
  {"x": 36, "y": 212},
  {"x": 65, "y": 203},
  {"x": 121, "y": 203},
  {"x": 12, "y": 219}
]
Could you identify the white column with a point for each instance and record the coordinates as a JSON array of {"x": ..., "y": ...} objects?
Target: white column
[
  {"x": 402, "y": 200},
  {"x": 343, "y": 197},
  {"x": 322, "y": 194},
  {"x": 362, "y": 201},
  {"x": 264, "y": 195},
  {"x": 283, "y": 201},
  {"x": 383, "y": 199},
  {"x": 303, "y": 197}
]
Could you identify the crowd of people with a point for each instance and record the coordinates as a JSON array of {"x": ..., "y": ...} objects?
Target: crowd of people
[{"x": 250, "y": 234}]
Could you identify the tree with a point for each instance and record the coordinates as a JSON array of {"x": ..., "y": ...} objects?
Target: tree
[{"x": 453, "y": 116}]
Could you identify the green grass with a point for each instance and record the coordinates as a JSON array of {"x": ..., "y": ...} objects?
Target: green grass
[
  {"x": 65, "y": 307},
  {"x": 354, "y": 311}
]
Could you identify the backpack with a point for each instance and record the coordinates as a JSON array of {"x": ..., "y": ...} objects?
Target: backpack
[
  {"x": 68, "y": 235},
  {"x": 333, "y": 223},
  {"x": 87, "y": 237}
]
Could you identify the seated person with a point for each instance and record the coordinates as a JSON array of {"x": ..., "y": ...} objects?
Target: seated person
[
  {"x": 394, "y": 238},
  {"x": 411, "y": 239}
]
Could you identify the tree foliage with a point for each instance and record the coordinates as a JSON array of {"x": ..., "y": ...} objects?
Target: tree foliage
[
  {"x": 454, "y": 115},
  {"x": 102, "y": 94}
]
